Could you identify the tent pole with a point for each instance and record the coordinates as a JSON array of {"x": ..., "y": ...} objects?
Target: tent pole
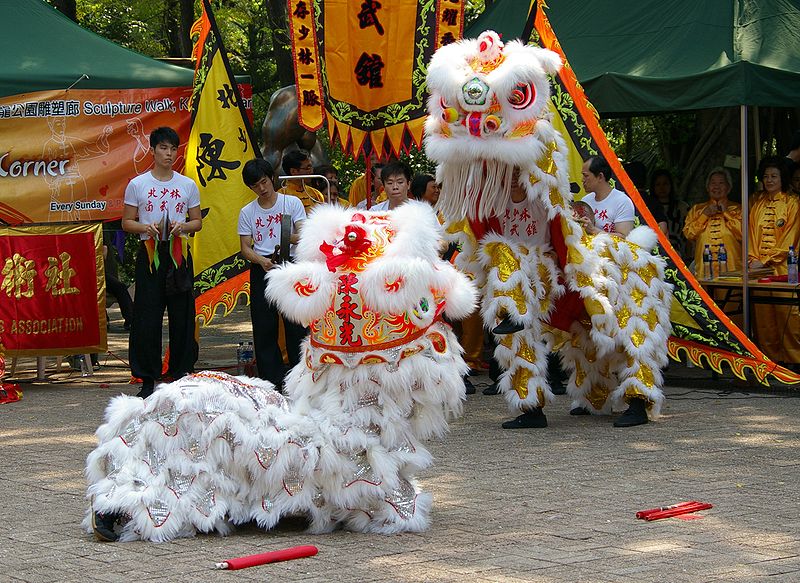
[{"x": 745, "y": 220}]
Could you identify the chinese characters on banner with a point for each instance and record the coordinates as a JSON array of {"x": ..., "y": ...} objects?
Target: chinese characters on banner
[
  {"x": 305, "y": 58},
  {"x": 363, "y": 63},
  {"x": 218, "y": 147},
  {"x": 52, "y": 290}
]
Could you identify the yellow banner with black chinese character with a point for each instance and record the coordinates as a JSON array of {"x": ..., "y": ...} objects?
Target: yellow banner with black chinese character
[
  {"x": 219, "y": 145},
  {"x": 367, "y": 64}
]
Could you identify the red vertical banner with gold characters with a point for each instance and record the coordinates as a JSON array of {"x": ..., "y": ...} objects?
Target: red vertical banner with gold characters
[
  {"x": 367, "y": 60},
  {"x": 305, "y": 57},
  {"x": 52, "y": 290},
  {"x": 449, "y": 21}
]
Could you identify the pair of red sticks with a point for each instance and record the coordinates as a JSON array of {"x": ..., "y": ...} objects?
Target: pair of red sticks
[
  {"x": 673, "y": 510},
  {"x": 309, "y": 551}
]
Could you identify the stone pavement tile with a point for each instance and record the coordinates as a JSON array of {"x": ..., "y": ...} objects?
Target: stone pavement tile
[
  {"x": 419, "y": 572},
  {"x": 546, "y": 575},
  {"x": 744, "y": 552},
  {"x": 780, "y": 566}
]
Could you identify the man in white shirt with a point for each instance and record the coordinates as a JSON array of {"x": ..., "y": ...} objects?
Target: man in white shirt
[
  {"x": 162, "y": 206},
  {"x": 613, "y": 210},
  {"x": 260, "y": 235},
  {"x": 396, "y": 180}
]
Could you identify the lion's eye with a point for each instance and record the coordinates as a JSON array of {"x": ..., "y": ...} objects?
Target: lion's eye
[{"x": 522, "y": 96}]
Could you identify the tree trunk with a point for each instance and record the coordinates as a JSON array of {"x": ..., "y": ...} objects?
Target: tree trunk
[
  {"x": 67, "y": 7},
  {"x": 281, "y": 42},
  {"x": 187, "y": 19},
  {"x": 178, "y": 19}
]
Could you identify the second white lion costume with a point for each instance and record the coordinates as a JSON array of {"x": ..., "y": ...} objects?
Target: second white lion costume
[{"x": 602, "y": 299}]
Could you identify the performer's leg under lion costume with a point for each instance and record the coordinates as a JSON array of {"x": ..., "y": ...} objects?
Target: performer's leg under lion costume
[{"x": 601, "y": 300}]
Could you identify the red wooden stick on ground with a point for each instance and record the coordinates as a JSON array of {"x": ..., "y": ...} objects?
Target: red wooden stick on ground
[
  {"x": 270, "y": 557},
  {"x": 673, "y": 510},
  {"x": 643, "y": 514}
]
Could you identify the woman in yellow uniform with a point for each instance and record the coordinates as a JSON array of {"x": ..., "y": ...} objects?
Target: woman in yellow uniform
[
  {"x": 716, "y": 222},
  {"x": 774, "y": 226}
]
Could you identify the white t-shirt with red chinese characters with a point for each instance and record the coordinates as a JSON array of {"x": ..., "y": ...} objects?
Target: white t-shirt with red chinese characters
[
  {"x": 615, "y": 208},
  {"x": 156, "y": 198},
  {"x": 264, "y": 225},
  {"x": 526, "y": 223}
]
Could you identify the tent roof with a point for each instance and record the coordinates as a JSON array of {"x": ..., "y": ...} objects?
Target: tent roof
[
  {"x": 43, "y": 50},
  {"x": 642, "y": 56}
]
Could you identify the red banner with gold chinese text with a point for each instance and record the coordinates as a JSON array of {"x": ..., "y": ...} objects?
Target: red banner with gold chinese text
[
  {"x": 52, "y": 290},
  {"x": 363, "y": 63}
]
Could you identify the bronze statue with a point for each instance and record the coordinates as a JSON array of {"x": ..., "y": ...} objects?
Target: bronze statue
[{"x": 282, "y": 132}]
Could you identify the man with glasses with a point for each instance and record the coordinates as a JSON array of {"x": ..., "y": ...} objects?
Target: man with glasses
[{"x": 298, "y": 163}]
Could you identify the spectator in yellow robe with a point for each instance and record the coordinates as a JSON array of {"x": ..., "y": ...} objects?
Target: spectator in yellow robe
[
  {"x": 298, "y": 163},
  {"x": 774, "y": 226},
  {"x": 358, "y": 189},
  {"x": 714, "y": 222}
]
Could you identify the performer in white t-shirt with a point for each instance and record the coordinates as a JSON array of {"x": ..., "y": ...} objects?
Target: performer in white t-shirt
[
  {"x": 396, "y": 181},
  {"x": 260, "y": 235},
  {"x": 162, "y": 207},
  {"x": 526, "y": 222},
  {"x": 613, "y": 210}
]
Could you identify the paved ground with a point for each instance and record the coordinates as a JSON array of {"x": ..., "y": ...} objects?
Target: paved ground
[{"x": 535, "y": 505}]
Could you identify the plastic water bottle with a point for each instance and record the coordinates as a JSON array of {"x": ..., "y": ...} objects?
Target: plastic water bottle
[
  {"x": 791, "y": 264},
  {"x": 240, "y": 359},
  {"x": 248, "y": 356},
  {"x": 708, "y": 265},
  {"x": 85, "y": 366},
  {"x": 722, "y": 260}
]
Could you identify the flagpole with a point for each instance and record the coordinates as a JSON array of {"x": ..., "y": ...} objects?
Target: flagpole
[
  {"x": 529, "y": 25},
  {"x": 239, "y": 101}
]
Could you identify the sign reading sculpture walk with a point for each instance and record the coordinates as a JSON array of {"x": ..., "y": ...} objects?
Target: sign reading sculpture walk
[{"x": 52, "y": 290}]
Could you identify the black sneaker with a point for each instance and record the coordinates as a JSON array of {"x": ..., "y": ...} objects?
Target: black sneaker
[
  {"x": 469, "y": 388},
  {"x": 580, "y": 411},
  {"x": 491, "y": 390},
  {"x": 636, "y": 414},
  {"x": 146, "y": 390},
  {"x": 507, "y": 326},
  {"x": 103, "y": 527},
  {"x": 529, "y": 420}
]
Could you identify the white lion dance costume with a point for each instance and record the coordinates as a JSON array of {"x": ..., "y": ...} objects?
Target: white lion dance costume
[
  {"x": 601, "y": 298},
  {"x": 382, "y": 372}
]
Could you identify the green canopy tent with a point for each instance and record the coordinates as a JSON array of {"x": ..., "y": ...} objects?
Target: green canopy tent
[
  {"x": 654, "y": 56},
  {"x": 648, "y": 56},
  {"x": 44, "y": 50}
]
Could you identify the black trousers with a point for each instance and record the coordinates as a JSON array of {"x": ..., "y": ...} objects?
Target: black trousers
[
  {"x": 264, "y": 316},
  {"x": 156, "y": 291},
  {"x": 120, "y": 291}
]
